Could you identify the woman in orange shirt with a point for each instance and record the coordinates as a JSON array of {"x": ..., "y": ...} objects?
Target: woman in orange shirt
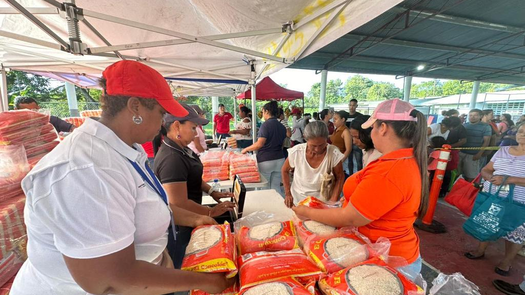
[{"x": 385, "y": 198}]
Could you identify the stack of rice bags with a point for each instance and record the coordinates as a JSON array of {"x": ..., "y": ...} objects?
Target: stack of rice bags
[
  {"x": 91, "y": 113},
  {"x": 25, "y": 137},
  {"x": 245, "y": 166},
  {"x": 216, "y": 165},
  {"x": 76, "y": 121},
  {"x": 350, "y": 262},
  {"x": 270, "y": 260}
]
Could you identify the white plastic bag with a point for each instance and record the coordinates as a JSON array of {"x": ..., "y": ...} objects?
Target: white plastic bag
[{"x": 454, "y": 284}]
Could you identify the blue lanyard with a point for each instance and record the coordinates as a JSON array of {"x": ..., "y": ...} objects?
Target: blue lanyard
[{"x": 157, "y": 187}]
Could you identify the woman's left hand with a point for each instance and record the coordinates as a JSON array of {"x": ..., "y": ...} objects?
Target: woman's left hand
[
  {"x": 496, "y": 179},
  {"x": 217, "y": 196},
  {"x": 301, "y": 211}
]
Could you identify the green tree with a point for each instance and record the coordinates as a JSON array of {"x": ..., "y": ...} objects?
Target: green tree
[
  {"x": 382, "y": 91},
  {"x": 427, "y": 89},
  {"x": 357, "y": 87},
  {"x": 334, "y": 94}
]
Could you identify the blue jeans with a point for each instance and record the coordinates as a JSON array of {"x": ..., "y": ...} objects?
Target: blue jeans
[
  {"x": 413, "y": 269},
  {"x": 271, "y": 170},
  {"x": 223, "y": 135}
]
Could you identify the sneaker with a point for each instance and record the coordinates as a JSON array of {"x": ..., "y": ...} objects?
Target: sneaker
[{"x": 507, "y": 288}]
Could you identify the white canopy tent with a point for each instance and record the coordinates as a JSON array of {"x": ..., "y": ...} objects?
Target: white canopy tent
[{"x": 202, "y": 47}]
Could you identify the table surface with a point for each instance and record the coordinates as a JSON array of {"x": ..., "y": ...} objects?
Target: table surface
[
  {"x": 228, "y": 184},
  {"x": 263, "y": 200}
]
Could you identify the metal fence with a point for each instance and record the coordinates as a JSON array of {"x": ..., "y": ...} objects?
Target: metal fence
[{"x": 61, "y": 109}]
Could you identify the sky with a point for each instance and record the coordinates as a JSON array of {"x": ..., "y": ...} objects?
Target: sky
[{"x": 302, "y": 80}]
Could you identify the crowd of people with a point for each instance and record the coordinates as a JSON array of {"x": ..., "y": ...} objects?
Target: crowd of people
[{"x": 120, "y": 221}]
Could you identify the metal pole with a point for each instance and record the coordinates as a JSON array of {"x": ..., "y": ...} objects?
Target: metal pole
[
  {"x": 214, "y": 110},
  {"x": 459, "y": 100},
  {"x": 507, "y": 106},
  {"x": 474, "y": 96},
  {"x": 235, "y": 109},
  {"x": 253, "y": 83},
  {"x": 484, "y": 101},
  {"x": 322, "y": 97},
  {"x": 72, "y": 101},
  {"x": 4, "y": 104},
  {"x": 407, "y": 87}
]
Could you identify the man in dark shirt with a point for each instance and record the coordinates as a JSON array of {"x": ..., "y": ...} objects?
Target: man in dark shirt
[
  {"x": 23, "y": 102},
  {"x": 357, "y": 153}
]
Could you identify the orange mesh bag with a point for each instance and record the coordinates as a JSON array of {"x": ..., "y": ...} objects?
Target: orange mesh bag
[
  {"x": 342, "y": 249},
  {"x": 263, "y": 267},
  {"x": 211, "y": 249},
  {"x": 287, "y": 286},
  {"x": 372, "y": 277},
  {"x": 77, "y": 121}
]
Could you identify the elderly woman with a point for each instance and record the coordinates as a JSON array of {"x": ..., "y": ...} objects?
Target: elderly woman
[
  {"x": 362, "y": 139},
  {"x": 180, "y": 172},
  {"x": 508, "y": 161},
  {"x": 97, "y": 217},
  {"x": 310, "y": 161}
]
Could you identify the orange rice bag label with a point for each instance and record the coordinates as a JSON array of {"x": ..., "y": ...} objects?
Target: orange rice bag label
[
  {"x": 274, "y": 236},
  {"x": 233, "y": 290},
  {"x": 264, "y": 267},
  {"x": 373, "y": 276},
  {"x": 211, "y": 249},
  {"x": 337, "y": 251}
]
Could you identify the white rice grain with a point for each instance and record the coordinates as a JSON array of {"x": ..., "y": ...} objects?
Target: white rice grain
[
  {"x": 346, "y": 252},
  {"x": 265, "y": 231},
  {"x": 318, "y": 228},
  {"x": 374, "y": 280},
  {"x": 203, "y": 238},
  {"x": 270, "y": 289}
]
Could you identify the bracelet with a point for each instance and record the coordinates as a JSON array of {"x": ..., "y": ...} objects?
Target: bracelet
[{"x": 211, "y": 190}]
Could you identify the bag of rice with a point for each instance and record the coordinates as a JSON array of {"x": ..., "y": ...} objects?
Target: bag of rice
[
  {"x": 261, "y": 231},
  {"x": 311, "y": 286},
  {"x": 307, "y": 228},
  {"x": 287, "y": 286},
  {"x": 211, "y": 249},
  {"x": 233, "y": 290},
  {"x": 372, "y": 277},
  {"x": 264, "y": 267},
  {"x": 339, "y": 250},
  {"x": 313, "y": 202}
]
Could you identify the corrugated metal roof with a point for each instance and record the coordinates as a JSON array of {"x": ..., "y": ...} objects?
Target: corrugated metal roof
[{"x": 467, "y": 40}]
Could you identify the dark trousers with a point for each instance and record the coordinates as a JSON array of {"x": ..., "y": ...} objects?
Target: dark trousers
[
  {"x": 177, "y": 248},
  {"x": 356, "y": 154}
]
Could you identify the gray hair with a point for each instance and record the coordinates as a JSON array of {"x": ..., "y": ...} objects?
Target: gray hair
[{"x": 315, "y": 129}]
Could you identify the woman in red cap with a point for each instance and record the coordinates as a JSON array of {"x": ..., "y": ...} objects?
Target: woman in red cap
[
  {"x": 385, "y": 198},
  {"x": 96, "y": 215}
]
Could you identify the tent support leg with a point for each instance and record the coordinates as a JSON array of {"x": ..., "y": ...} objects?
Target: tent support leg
[
  {"x": 4, "y": 104},
  {"x": 253, "y": 83},
  {"x": 72, "y": 100},
  {"x": 322, "y": 98},
  {"x": 474, "y": 95}
]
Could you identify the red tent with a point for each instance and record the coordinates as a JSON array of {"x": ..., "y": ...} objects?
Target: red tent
[{"x": 267, "y": 89}]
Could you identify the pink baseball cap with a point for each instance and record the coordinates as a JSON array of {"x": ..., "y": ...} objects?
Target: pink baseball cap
[{"x": 391, "y": 110}]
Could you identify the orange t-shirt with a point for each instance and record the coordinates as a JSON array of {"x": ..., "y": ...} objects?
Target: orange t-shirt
[{"x": 388, "y": 192}]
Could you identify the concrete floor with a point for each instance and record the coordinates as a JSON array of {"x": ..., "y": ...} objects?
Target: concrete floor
[{"x": 444, "y": 253}]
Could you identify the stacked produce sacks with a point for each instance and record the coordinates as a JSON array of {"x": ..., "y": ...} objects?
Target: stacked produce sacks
[
  {"x": 25, "y": 137},
  {"x": 91, "y": 113},
  {"x": 76, "y": 121},
  {"x": 215, "y": 165},
  {"x": 245, "y": 166},
  {"x": 271, "y": 260}
]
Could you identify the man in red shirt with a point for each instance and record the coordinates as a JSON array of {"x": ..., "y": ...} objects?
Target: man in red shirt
[{"x": 221, "y": 122}]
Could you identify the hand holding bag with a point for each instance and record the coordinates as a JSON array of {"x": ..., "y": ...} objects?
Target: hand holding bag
[
  {"x": 463, "y": 194},
  {"x": 493, "y": 216}
]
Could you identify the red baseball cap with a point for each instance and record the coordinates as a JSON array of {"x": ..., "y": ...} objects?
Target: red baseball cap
[
  {"x": 132, "y": 78},
  {"x": 296, "y": 111}
]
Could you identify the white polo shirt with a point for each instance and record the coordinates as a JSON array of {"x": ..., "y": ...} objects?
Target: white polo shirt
[{"x": 85, "y": 200}]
